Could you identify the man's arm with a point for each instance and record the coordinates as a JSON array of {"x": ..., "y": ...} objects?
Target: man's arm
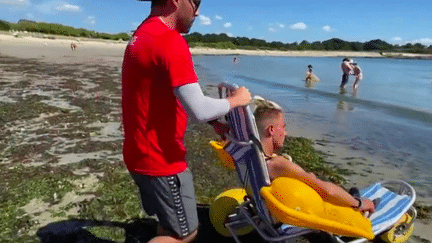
[
  {"x": 280, "y": 166},
  {"x": 203, "y": 108}
]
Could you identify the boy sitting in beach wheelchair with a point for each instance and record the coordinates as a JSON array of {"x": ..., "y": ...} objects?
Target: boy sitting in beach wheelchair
[{"x": 281, "y": 201}]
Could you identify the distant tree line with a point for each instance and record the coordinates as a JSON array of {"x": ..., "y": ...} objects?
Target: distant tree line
[
  {"x": 223, "y": 41},
  {"x": 58, "y": 29}
]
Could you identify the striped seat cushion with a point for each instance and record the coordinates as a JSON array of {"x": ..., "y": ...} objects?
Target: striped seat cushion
[{"x": 390, "y": 209}]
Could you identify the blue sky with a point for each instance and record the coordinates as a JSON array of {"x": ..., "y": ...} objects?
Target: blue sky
[{"x": 396, "y": 22}]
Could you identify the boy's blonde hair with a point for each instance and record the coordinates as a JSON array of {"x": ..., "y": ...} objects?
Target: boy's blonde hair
[{"x": 265, "y": 110}]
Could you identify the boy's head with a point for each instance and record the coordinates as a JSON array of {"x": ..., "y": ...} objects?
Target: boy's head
[{"x": 270, "y": 123}]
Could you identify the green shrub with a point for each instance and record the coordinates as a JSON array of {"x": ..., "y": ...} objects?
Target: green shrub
[
  {"x": 225, "y": 45},
  {"x": 4, "y": 25}
]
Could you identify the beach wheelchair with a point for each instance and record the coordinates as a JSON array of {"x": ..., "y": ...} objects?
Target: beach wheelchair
[{"x": 285, "y": 208}]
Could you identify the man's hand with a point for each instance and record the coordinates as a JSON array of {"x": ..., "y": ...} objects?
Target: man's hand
[{"x": 239, "y": 97}]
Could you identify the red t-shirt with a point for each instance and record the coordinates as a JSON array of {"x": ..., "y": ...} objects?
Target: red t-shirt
[{"x": 156, "y": 61}]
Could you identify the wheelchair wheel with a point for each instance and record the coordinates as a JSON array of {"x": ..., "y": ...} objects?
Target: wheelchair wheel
[
  {"x": 224, "y": 205},
  {"x": 399, "y": 233}
]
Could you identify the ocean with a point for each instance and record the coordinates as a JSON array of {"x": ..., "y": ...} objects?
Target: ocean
[{"x": 389, "y": 116}]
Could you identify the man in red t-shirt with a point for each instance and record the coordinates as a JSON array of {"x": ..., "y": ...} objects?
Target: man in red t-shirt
[{"x": 159, "y": 90}]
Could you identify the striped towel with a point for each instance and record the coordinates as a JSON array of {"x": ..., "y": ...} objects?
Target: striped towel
[{"x": 391, "y": 208}]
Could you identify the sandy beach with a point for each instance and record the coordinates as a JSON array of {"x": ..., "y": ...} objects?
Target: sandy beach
[{"x": 69, "y": 127}]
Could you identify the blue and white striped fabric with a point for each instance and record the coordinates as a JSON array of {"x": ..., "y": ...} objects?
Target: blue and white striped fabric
[
  {"x": 250, "y": 164},
  {"x": 238, "y": 152},
  {"x": 390, "y": 209},
  {"x": 287, "y": 229},
  {"x": 239, "y": 123}
]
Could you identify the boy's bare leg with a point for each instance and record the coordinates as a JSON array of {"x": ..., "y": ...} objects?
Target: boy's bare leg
[{"x": 355, "y": 85}]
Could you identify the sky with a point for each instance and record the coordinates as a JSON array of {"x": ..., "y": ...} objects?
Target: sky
[{"x": 396, "y": 22}]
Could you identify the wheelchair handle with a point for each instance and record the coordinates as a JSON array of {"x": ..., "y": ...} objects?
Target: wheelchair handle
[{"x": 229, "y": 88}]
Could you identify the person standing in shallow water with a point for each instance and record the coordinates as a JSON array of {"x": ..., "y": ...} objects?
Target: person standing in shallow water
[
  {"x": 311, "y": 79},
  {"x": 159, "y": 91},
  {"x": 358, "y": 74},
  {"x": 346, "y": 70},
  {"x": 309, "y": 73}
]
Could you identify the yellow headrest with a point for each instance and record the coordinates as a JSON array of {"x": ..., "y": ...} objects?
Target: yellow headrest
[{"x": 223, "y": 155}]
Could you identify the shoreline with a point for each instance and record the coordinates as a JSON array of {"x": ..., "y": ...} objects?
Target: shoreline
[
  {"x": 210, "y": 51},
  {"x": 64, "y": 42}
]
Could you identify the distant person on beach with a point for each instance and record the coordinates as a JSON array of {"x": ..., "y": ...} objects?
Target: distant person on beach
[
  {"x": 159, "y": 90},
  {"x": 346, "y": 70},
  {"x": 358, "y": 74},
  {"x": 311, "y": 78},
  {"x": 272, "y": 130},
  {"x": 73, "y": 46}
]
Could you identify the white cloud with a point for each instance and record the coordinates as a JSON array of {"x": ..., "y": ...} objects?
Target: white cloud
[
  {"x": 230, "y": 34},
  {"x": 57, "y": 7},
  {"x": 276, "y": 27},
  {"x": 64, "y": 7},
  {"x": 396, "y": 39},
  {"x": 423, "y": 41},
  {"x": 205, "y": 20},
  {"x": 218, "y": 17},
  {"x": 15, "y": 3},
  {"x": 91, "y": 20},
  {"x": 227, "y": 25},
  {"x": 298, "y": 26},
  {"x": 327, "y": 28}
]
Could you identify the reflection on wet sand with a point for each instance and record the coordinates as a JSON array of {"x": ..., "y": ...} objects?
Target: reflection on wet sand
[
  {"x": 342, "y": 104},
  {"x": 310, "y": 83}
]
